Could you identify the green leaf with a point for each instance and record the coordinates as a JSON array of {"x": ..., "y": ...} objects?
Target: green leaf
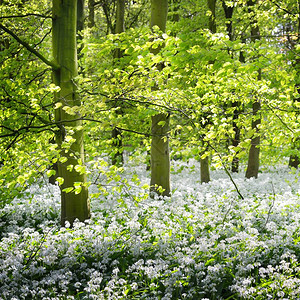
[
  {"x": 161, "y": 123},
  {"x": 78, "y": 190},
  {"x": 70, "y": 168},
  {"x": 63, "y": 159},
  {"x": 68, "y": 190},
  {"x": 50, "y": 173},
  {"x": 80, "y": 169},
  {"x": 21, "y": 179},
  {"x": 60, "y": 180},
  {"x": 58, "y": 105}
]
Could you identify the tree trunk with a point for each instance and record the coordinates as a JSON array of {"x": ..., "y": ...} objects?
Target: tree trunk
[
  {"x": 294, "y": 160},
  {"x": 91, "y": 16},
  {"x": 120, "y": 17},
  {"x": 160, "y": 154},
  {"x": 80, "y": 26},
  {"x": 117, "y": 157},
  {"x": 204, "y": 167},
  {"x": 204, "y": 162},
  {"x": 74, "y": 204},
  {"x": 107, "y": 12},
  {"x": 159, "y": 13},
  {"x": 228, "y": 10},
  {"x": 237, "y": 134},
  {"x": 253, "y": 159},
  {"x": 212, "y": 18},
  {"x": 175, "y": 16}
]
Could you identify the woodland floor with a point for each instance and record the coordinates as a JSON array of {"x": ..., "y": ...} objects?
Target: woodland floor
[{"x": 204, "y": 242}]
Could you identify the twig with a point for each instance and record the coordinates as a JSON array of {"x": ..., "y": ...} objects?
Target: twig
[
  {"x": 53, "y": 65},
  {"x": 227, "y": 172},
  {"x": 26, "y": 15},
  {"x": 36, "y": 250},
  {"x": 272, "y": 205}
]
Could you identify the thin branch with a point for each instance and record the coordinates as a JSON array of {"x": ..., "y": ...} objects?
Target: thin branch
[
  {"x": 40, "y": 74},
  {"x": 133, "y": 131},
  {"x": 280, "y": 119},
  {"x": 7, "y": 128},
  {"x": 135, "y": 18},
  {"x": 53, "y": 65},
  {"x": 226, "y": 171},
  {"x": 272, "y": 204},
  {"x": 15, "y": 139},
  {"x": 283, "y": 9},
  {"x": 26, "y": 15},
  {"x": 142, "y": 102},
  {"x": 36, "y": 249},
  {"x": 44, "y": 37},
  {"x": 119, "y": 128}
]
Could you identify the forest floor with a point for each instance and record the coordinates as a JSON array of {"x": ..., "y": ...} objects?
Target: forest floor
[{"x": 204, "y": 242}]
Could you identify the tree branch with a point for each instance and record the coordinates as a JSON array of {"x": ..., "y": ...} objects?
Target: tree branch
[
  {"x": 134, "y": 131},
  {"x": 283, "y": 9},
  {"x": 53, "y": 65},
  {"x": 226, "y": 170},
  {"x": 26, "y": 15}
]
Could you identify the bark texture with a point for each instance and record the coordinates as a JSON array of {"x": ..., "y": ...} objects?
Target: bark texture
[
  {"x": 204, "y": 162},
  {"x": 253, "y": 158},
  {"x": 73, "y": 205},
  {"x": 204, "y": 167},
  {"x": 294, "y": 160},
  {"x": 80, "y": 26},
  {"x": 212, "y": 18},
  {"x": 160, "y": 155},
  {"x": 117, "y": 157},
  {"x": 91, "y": 16}
]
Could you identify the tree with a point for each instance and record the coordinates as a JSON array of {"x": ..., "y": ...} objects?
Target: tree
[
  {"x": 74, "y": 190},
  {"x": 91, "y": 16},
  {"x": 294, "y": 40},
  {"x": 253, "y": 160},
  {"x": 80, "y": 25},
  {"x": 228, "y": 11},
  {"x": 204, "y": 162},
  {"x": 117, "y": 156},
  {"x": 69, "y": 133},
  {"x": 175, "y": 11},
  {"x": 24, "y": 117},
  {"x": 160, "y": 153}
]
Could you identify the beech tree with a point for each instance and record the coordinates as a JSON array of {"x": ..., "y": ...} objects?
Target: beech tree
[
  {"x": 68, "y": 123},
  {"x": 253, "y": 160},
  {"x": 228, "y": 11},
  {"x": 160, "y": 153},
  {"x": 74, "y": 190},
  {"x": 117, "y": 156},
  {"x": 204, "y": 162},
  {"x": 293, "y": 41}
]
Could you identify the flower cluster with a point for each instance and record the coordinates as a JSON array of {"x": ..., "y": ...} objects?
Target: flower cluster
[{"x": 203, "y": 242}]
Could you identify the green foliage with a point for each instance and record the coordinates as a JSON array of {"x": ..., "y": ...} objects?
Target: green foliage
[
  {"x": 203, "y": 84},
  {"x": 207, "y": 85}
]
